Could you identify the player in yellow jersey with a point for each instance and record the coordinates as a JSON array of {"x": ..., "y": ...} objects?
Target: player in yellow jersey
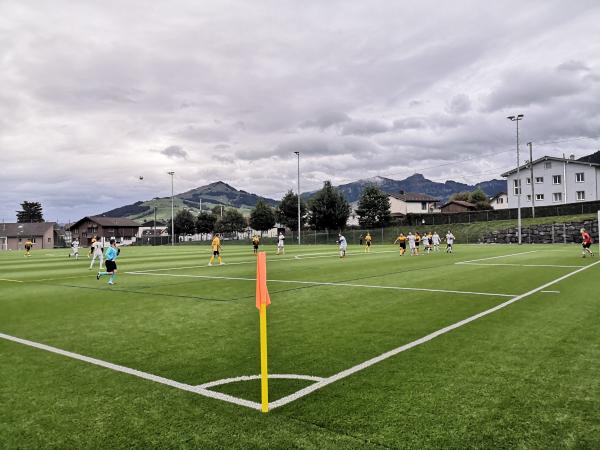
[
  {"x": 255, "y": 243},
  {"x": 216, "y": 249},
  {"x": 368, "y": 239},
  {"x": 28, "y": 245},
  {"x": 402, "y": 241}
]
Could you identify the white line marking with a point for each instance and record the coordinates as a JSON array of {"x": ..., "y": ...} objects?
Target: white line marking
[
  {"x": 345, "y": 373},
  {"x": 551, "y": 292},
  {"x": 517, "y": 265},
  {"x": 10, "y": 281},
  {"x": 283, "y": 376},
  {"x": 496, "y": 257},
  {"x": 322, "y": 283},
  {"x": 137, "y": 373}
]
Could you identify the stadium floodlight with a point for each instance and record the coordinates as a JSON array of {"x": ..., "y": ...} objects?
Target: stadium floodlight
[
  {"x": 172, "y": 210},
  {"x": 516, "y": 119},
  {"x": 298, "y": 155}
]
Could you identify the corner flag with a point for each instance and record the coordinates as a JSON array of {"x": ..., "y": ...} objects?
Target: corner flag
[{"x": 262, "y": 301}]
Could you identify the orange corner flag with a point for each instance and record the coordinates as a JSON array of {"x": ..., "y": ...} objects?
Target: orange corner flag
[{"x": 262, "y": 294}]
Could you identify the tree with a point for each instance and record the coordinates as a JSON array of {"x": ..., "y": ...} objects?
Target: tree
[
  {"x": 30, "y": 212},
  {"x": 184, "y": 222},
  {"x": 205, "y": 222},
  {"x": 480, "y": 199},
  {"x": 461, "y": 196},
  {"x": 287, "y": 211},
  {"x": 329, "y": 210},
  {"x": 262, "y": 217},
  {"x": 373, "y": 208},
  {"x": 232, "y": 220}
]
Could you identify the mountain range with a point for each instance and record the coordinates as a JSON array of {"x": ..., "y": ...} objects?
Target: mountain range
[{"x": 222, "y": 194}]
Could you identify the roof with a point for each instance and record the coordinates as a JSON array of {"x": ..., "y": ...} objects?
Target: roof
[
  {"x": 414, "y": 197},
  {"x": 593, "y": 158},
  {"x": 498, "y": 194},
  {"x": 107, "y": 221},
  {"x": 25, "y": 229},
  {"x": 461, "y": 203},
  {"x": 549, "y": 158}
]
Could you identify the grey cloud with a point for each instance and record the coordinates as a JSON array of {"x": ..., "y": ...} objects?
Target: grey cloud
[
  {"x": 365, "y": 127},
  {"x": 523, "y": 88},
  {"x": 410, "y": 123},
  {"x": 326, "y": 120},
  {"x": 174, "y": 151},
  {"x": 459, "y": 104},
  {"x": 573, "y": 66}
]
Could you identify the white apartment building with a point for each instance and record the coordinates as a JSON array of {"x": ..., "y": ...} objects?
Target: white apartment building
[
  {"x": 410, "y": 202},
  {"x": 552, "y": 181}
]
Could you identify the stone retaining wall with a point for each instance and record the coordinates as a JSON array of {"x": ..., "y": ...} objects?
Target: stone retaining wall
[{"x": 566, "y": 233}]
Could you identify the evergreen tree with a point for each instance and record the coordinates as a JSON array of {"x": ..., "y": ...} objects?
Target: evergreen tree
[
  {"x": 30, "y": 212},
  {"x": 262, "y": 217},
  {"x": 205, "y": 222},
  {"x": 373, "y": 208},
  {"x": 232, "y": 220},
  {"x": 329, "y": 210},
  {"x": 184, "y": 222},
  {"x": 480, "y": 199},
  {"x": 287, "y": 211}
]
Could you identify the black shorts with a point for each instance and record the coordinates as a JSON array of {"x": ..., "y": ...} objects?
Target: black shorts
[
  {"x": 215, "y": 252},
  {"x": 255, "y": 246},
  {"x": 28, "y": 247},
  {"x": 417, "y": 244},
  {"x": 586, "y": 244},
  {"x": 368, "y": 243},
  {"x": 403, "y": 245},
  {"x": 111, "y": 265}
]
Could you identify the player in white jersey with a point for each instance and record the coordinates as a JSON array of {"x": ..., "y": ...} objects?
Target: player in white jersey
[
  {"x": 411, "y": 243},
  {"x": 281, "y": 244},
  {"x": 449, "y": 241},
  {"x": 343, "y": 245},
  {"x": 96, "y": 253},
  {"x": 436, "y": 241},
  {"x": 74, "y": 249}
]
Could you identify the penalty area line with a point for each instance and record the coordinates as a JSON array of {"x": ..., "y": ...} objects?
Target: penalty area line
[
  {"x": 137, "y": 373},
  {"x": 322, "y": 283},
  {"x": 495, "y": 257},
  {"x": 9, "y": 280},
  {"x": 352, "y": 370}
]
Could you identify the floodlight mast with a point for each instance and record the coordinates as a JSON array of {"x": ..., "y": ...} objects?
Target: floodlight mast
[
  {"x": 172, "y": 211},
  {"x": 516, "y": 119},
  {"x": 299, "y": 228}
]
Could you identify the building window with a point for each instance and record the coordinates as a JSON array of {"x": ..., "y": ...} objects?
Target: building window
[
  {"x": 557, "y": 197},
  {"x": 580, "y": 195},
  {"x": 527, "y": 180},
  {"x": 499, "y": 200},
  {"x": 547, "y": 165},
  {"x": 516, "y": 187},
  {"x": 528, "y": 197},
  {"x": 33, "y": 240},
  {"x": 539, "y": 196},
  {"x": 556, "y": 179},
  {"x": 539, "y": 180},
  {"x": 49, "y": 240},
  {"x": 424, "y": 206},
  {"x": 579, "y": 177}
]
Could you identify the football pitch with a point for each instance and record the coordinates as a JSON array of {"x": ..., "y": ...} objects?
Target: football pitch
[{"x": 492, "y": 346}]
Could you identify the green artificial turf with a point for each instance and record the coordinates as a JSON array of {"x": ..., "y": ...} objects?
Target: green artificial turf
[{"x": 525, "y": 376}]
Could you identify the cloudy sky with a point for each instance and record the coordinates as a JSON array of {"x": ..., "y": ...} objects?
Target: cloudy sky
[{"x": 94, "y": 94}]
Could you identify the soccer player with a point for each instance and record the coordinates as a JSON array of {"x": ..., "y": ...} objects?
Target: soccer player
[
  {"x": 401, "y": 239},
  {"x": 28, "y": 245},
  {"x": 436, "y": 241},
  {"x": 74, "y": 249},
  {"x": 586, "y": 243},
  {"x": 255, "y": 243},
  {"x": 110, "y": 262},
  {"x": 428, "y": 242},
  {"x": 91, "y": 252},
  {"x": 411, "y": 243},
  {"x": 343, "y": 245},
  {"x": 368, "y": 242},
  {"x": 216, "y": 249},
  {"x": 417, "y": 242},
  {"x": 281, "y": 244},
  {"x": 96, "y": 252},
  {"x": 449, "y": 241}
]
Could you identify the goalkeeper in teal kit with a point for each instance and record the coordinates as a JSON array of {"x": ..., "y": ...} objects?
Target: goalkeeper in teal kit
[{"x": 110, "y": 256}]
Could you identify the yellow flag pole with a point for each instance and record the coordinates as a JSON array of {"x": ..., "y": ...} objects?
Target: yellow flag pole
[{"x": 264, "y": 378}]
